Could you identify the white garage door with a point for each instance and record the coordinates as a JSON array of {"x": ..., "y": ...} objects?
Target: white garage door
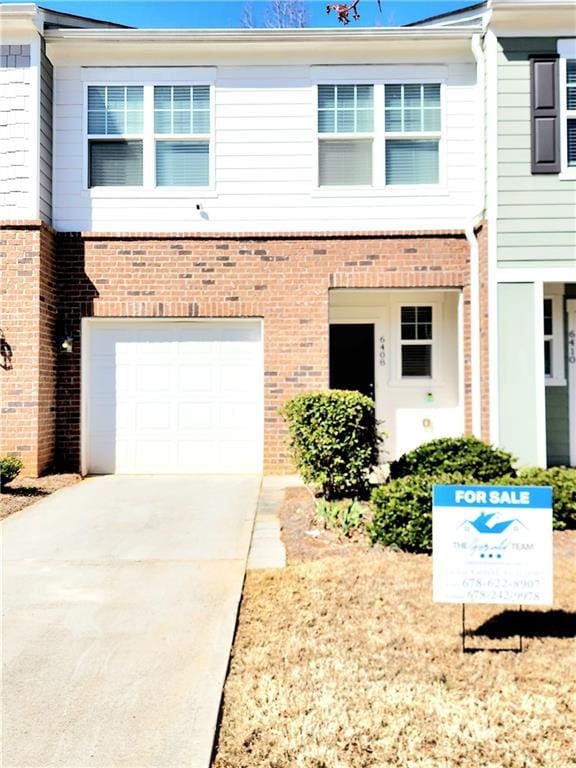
[{"x": 172, "y": 397}]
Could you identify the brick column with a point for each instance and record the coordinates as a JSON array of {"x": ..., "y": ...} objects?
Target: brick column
[{"x": 28, "y": 320}]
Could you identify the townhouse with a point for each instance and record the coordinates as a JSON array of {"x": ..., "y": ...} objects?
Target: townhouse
[{"x": 198, "y": 226}]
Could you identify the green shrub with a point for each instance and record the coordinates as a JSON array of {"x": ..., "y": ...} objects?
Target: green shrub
[
  {"x": 403, "y": 511},
  {"x": 334, "y": 440},
  {"x": 563, "y": 483},
  {"x": 342, "y": 516},
  {"x": 10, "y": 467},
  {"x": 466, "y": 455}
]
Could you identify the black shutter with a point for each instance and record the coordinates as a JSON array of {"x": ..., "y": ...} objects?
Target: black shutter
[{"x": 545, "y": 114}]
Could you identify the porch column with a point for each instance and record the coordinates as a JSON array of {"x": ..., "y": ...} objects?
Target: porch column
[{"x": 521, "y": 406}]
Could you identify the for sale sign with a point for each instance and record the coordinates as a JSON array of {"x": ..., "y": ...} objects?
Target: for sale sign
[{"x": 492, "y": 544}]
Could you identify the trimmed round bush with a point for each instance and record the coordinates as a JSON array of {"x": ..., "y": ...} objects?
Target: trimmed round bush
[
  {"x": 466, "y": 455},
  {"x": 334, "y": 440},
  {"x": 10, "y": 468},
  {"x": 563, "y": 483},
  {"x": 402, "y": 515}
]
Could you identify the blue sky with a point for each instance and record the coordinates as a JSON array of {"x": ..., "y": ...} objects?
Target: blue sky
[{"x": 218, "y": 13}]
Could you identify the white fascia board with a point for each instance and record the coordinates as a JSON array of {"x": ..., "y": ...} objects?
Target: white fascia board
[{"x": 263, "y": 36}]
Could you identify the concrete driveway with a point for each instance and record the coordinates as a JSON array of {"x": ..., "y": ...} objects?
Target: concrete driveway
[{"x": 120, "y": 599}]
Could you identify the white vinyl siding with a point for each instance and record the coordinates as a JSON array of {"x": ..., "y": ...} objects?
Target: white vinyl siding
[{"x": 264, "y": 156}]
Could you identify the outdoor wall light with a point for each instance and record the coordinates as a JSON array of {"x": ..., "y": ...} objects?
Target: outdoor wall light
[
  {"x": 66, "y": 344},
  {"x": 5, "y": 352}
]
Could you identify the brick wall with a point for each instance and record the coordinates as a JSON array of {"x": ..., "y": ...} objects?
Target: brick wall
[
  {"x": 284, "y": 279},
  {"x": 28, "y": 303}
]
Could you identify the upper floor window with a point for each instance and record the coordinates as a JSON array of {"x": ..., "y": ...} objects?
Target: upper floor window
[
  {"x": 376, "y": 135},
  {"x": 345, "y": 125},
  {"x": 412, "y": 133},
  {"x": 128, "y": 145},
  {"x": 115, "y": 111}
]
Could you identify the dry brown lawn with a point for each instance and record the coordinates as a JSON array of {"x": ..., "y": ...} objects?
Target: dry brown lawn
[{"x": 344, "y": 662}]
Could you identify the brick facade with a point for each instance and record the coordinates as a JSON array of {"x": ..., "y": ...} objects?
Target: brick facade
[
  {"x": 284, "y": 279},
  {"x": 28, "y": 321}
]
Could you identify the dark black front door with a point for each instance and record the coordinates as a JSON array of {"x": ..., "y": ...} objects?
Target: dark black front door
[{"x": 352, "y": 357}]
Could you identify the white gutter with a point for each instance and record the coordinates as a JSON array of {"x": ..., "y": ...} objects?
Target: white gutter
[{"x": 471, "y": 224}]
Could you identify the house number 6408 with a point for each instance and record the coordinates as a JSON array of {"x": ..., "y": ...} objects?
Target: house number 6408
[{"x": 382, "y": 351}]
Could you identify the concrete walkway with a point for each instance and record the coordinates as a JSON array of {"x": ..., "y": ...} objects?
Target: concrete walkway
[{"x": 120, "y": 598}]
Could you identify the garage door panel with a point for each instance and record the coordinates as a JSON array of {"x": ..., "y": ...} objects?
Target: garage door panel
[
  {"x": 196, "y": 378},
  {"x": 175, "y": 397},
  {"x": 196, "y": 416}
]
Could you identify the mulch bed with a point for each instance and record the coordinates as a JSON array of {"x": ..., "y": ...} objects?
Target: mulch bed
[{"x": 24, "y": 491}]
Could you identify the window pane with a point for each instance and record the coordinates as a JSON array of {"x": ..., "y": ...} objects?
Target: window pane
[
  {"x": 97, "y": 122},
  {"x": 115, "y": 122},
  {"x": 571, "y": 97},
  {"x": 162, "y": 97},
  {"x": 201, "y": 122},
  {"x": 393, "y": 120},
  {"x": 412, "y": 120},
  {"x": 201, "y": 97},
  {"x": 182, "y": 122},
  {"x": 548, "y": 358},
  {"x": 182, "y": 163},
  {"x": 548, "y": 327},
  {"x": 115, "y": 109},
  {"x": 572, "y": 143},
  {"x": 408, "y": 314},
  {"x": 345, "y": 96},
  {"x": 182, "y": 97},
  {"x": 96, "y": 97},
  {"x": 162, "y": 122},
  {"x": 326, "y": 122},
  {"x": 345, "y": 109},
  {"x": 326, "y": 96},
  {"x": 345, "y": 121},
  {"x": 135, "y": 97},
  {"x": 571, "y": 70},
  {"x": 345, "y": 163},
  {"x": 431, "y": 120},
  {"x": 432, "y": 95},
  {"x": 413, "y": 161},
  {"x": 393, "y": 96},
  {"x": 116, "y": 96},
  {"x": 416, "y": 323},
  {"x": 417, "y": 360},
  {"x": 364, "y": 96},
  {"x": 412, "y": 96},
  {"x": 115, "y": 163},
  {"x": 134, "y": 122}
]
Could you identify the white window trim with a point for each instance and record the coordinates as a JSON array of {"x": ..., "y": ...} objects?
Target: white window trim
[
  {"x": 148, "y": 138},
  {"x": 558, "y": 376},
  {"x": 566, "y": 50},
  {"x": 379, "y": 136},
  {"x": 396, "y": 378}
]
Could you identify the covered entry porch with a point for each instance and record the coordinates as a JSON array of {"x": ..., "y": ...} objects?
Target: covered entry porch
[{"x": 405, "y": 349}]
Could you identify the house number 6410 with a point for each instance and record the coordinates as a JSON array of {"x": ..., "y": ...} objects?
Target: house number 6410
[{"x": 382, "y": 351}]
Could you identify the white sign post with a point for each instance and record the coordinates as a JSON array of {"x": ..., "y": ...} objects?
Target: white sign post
[{"x": 492, "y": 544}]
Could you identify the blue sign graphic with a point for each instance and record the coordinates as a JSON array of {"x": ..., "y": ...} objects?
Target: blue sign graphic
[{"x": 501, "y": 496}]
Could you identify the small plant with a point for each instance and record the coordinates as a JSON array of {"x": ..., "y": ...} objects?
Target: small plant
[
  {"x": 343, "y": 516},
  {"x": 563, "y": 483},
  {"x": 10, "y": 468},
  {"x": 334, "y": 440},
  {"x": 466, "y": 455},
  {"x": 403, "y": 511}
]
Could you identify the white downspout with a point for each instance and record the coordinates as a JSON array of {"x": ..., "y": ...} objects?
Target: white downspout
[{"x": 474, "y": 248}]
